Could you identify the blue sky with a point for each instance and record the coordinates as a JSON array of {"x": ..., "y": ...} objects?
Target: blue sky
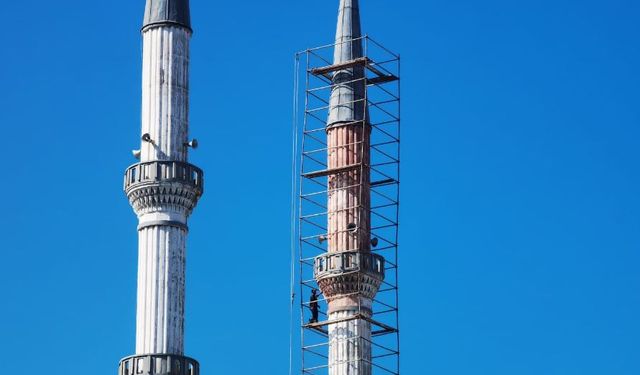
[{"x": 520, "y": 205}]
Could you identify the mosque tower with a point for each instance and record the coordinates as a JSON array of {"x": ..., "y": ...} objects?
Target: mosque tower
[
  {"x": 163, "y": 189},
  {"x": 348, "y": 207}
]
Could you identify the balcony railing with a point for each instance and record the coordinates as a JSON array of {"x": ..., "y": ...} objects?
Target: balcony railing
[
  {"x": 159, "y": 364},
  {"x": 330, "y": 264},
  {"x": 163, "y": 171}
]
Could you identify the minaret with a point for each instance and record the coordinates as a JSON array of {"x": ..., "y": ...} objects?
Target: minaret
[
  {"x": 163, "y": 188},
  {"x": 349, "y": 294}
]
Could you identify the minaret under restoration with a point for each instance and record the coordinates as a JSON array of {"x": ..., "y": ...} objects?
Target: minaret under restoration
[
  {"x": 163, "y": 189},
  {"x": 349, "y": 198}
]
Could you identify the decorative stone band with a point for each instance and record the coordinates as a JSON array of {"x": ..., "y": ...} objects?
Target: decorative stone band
[
  {"x": 163, "y": 185},
  {"x": 159, "y": 364},
  {"x": 344, "y": 124},
  {"x": 349, "y": 274},
  {"x": 166, "y": 223}
]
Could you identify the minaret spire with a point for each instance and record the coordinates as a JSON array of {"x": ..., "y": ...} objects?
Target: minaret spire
[
  {"x": 348, "y": 32},
  {"x": 163, "y": 189},
  {"x": 349, "y": 85}
]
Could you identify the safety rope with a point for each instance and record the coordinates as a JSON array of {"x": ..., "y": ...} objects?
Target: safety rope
[{"x": 294, "y": 180}]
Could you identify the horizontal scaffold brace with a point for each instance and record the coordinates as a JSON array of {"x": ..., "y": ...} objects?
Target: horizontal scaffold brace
[{"x": 327, "y": 172}]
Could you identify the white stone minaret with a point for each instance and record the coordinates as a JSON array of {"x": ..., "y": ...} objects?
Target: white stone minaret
[
  {"x": 349, "y": 293},
  {"x": 163, "y": 188}
]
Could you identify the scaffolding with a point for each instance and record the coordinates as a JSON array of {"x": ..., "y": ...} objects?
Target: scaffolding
[{"x": 379, "y": 173}]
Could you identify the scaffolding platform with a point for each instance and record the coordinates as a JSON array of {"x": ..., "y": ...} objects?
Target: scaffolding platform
[
  {"x": 379, "y": 78},
  {"x": 383, "y": 328},
  {"x": 362, "y": 61}
]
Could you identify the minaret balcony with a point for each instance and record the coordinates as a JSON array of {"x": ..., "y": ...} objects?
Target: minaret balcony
[
  {"x": 156, "y": 185},
  {"x": 159, "y": 364},
  {"x": 349, "y": 273}
]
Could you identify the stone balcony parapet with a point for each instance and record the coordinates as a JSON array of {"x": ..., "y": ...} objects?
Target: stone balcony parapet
[
  {"x": 349, "y": 273},
  {"x": 159, "y": 364},
  {"x": 163, "y": 185},
  {"x": 161, "y": 171}
]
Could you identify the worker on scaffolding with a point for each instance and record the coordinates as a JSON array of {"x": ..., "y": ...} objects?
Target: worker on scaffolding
[{"x": 313, "y": 305}]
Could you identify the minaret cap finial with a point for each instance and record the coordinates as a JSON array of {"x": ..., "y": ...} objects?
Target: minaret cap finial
[{"x": 159, "y": 12}]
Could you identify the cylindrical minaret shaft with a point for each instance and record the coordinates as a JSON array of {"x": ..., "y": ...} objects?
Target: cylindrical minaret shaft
[
  {"x": 165, "y": 118},
  {"x": 163, "y": 190},
  {"x": 161, "y": 281},
  {"x": 350, "y": 290},
  {"x": 165, "y": 92},
  {"x": 348, "y": 141}
]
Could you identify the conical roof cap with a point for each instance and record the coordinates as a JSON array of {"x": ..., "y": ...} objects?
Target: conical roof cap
[
  {"x": 158, "y": 12},
  {"x": 347, "y": 103}
]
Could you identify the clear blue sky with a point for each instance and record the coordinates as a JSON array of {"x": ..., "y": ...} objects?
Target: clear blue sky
[{"x": 520, "y": 209}]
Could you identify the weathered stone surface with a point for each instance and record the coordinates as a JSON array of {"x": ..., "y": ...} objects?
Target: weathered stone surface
[
  {"x": 163, "y": 189},
  {"x": 349, "y": 345},
  {"x": 161, "y": 285},
  {"x": 165, "y": 93}
]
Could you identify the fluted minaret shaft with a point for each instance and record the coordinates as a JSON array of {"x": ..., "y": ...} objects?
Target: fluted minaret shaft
[
  {"x": 163, "y": 189},
  {"x": 165, "y": 92},
  {"x": 348, "y": 138},
  {"x": 165, "y": 117}
]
